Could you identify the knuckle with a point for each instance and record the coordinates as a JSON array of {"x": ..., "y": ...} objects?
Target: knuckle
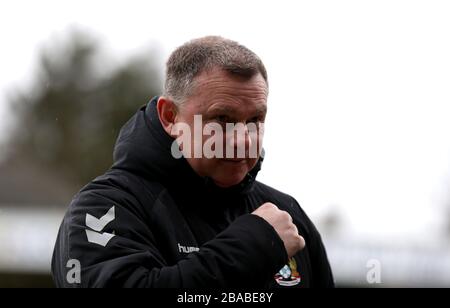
[
  {"x": 285, "y": 215},
  {"x": 268, "y": 205}
]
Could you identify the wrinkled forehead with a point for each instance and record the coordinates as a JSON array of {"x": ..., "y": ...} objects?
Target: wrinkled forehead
[
  {"x": 221, "y": 93},
  {"x": 255, "y": 108}
]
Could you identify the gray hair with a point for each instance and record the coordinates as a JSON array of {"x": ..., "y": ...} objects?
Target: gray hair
[{"x": 203, "y": 54}]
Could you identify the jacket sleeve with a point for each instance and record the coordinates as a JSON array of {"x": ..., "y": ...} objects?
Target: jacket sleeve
[{"x": 112, "y": 246}]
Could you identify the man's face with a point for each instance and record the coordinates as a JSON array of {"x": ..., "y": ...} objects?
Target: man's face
[{"x": 221, "y": 98}]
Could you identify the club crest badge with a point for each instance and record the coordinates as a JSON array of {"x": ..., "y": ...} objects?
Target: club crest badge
[{"x": 288, "y": 276}]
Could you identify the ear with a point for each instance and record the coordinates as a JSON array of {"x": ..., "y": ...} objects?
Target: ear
[{"x": 167, "y": 112}]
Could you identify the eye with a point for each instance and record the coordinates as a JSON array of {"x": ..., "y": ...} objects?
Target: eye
[
  {"x": 223, "y": 119},
  {"x": 255, "y": 120}
]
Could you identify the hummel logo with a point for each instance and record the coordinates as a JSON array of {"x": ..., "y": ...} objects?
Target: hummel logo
[
  {"x": 98, "y": 224},
  {"x": 187, "y": 249}
]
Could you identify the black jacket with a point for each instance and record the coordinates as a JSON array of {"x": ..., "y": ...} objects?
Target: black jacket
[{"x": 151, "y": 221}]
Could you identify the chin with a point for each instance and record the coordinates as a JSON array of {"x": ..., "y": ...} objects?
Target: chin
[
  {"x": 229, "y": 181},
  {"x": 228, "y": 174}
]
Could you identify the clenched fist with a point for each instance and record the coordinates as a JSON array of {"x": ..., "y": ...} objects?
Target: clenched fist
[{"x": 281, "y": 221}]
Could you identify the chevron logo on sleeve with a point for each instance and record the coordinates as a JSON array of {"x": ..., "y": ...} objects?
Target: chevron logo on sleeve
[{"x": 97, "y": 225}]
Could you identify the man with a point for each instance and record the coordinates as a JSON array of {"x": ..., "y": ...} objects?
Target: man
[{"x": 170, "y": 214}]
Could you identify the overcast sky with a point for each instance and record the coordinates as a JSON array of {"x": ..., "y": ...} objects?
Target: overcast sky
[{"x": 359, "y": 99}]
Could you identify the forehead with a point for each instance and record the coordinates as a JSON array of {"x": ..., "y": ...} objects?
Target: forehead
[{"x": 218, "y": 91}]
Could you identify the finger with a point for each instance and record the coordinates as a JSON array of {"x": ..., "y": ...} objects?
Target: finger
[{"x": 302, "y": 242}]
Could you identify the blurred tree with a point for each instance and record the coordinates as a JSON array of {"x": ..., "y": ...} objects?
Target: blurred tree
[{"x": 68, "y": 121}]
